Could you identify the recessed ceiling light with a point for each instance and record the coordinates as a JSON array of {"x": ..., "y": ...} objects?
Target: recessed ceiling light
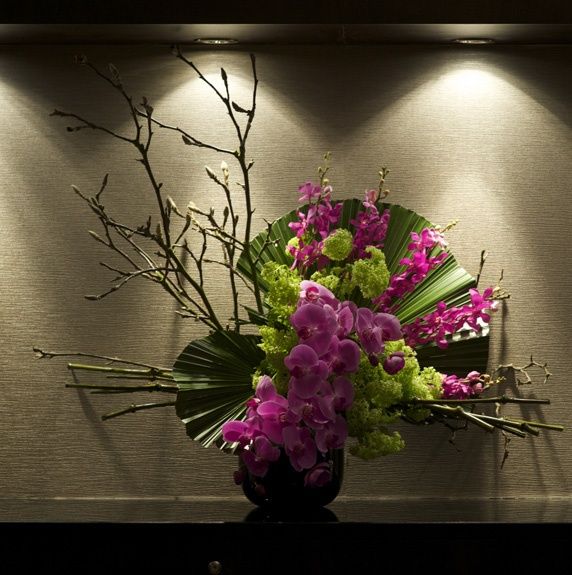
[
  {"x": 215, "y": 41},
  {"x": 474, "y": 41}
]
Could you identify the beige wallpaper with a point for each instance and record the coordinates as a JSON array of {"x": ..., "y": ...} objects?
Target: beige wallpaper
[{"x": 479, "y": 135}]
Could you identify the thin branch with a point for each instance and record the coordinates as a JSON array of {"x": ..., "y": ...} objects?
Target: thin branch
[
  {"x": 499, "y": 399},
  {"x": 128, "y": 276},
  {"x": 151, "y": 387},
  {"x": 88, "y": 124},
  {"x": 523, "y": 370},
  {"x": 134, "y": 408},
  {"x": 484, "y": 255},
  {"x": 190, "y": 140},
  {"x": 42, "y": 354}
]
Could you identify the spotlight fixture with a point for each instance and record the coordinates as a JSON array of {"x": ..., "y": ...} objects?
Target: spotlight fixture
[
  {"x": 474, "y": 41},
  {"x": 215, "y": 41}
]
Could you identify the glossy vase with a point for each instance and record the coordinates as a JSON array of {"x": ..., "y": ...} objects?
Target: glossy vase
[{"x": 283, "y": 487}]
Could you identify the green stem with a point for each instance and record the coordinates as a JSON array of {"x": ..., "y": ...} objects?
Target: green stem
[
  {"x": 539, "y": 424},
  {"x": 459, "y": 412}
]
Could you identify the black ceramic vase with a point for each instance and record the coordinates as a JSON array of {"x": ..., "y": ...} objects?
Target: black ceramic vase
[{"x": 283, "y": 487}]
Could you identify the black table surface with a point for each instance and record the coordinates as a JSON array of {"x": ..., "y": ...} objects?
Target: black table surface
[{"x": 230, "y": 536}]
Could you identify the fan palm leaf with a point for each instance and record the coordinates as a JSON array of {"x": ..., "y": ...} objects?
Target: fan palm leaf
[{"x": 214, "y": 376}]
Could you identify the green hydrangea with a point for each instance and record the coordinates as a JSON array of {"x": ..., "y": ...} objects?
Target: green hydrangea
[
  {"x": 338, "y": 245},
  {"x": 362, "y": 418},
  {"x": 383, "y": 393},
  {"x": 329, "y": 280},
  {"x": 370, "y": 275},
  {"x": 277, "y": 344},
  {"x": 381, "y": 399},
  {"x": 376, "y": 443},
  {"x": 337, "y": 279},
  {"x": 283, "y": 291},
  {"x": 432, "y": 380},
  {"x": 425, "y": 385}
]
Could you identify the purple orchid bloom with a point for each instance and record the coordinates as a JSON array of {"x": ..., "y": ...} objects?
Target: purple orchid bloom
[
  {"x": 259, "y": 456},
  {"x": 332, "y": 435},
  {"x": 299, "y": 447},
  {"x": 312, "y": 292},
  {"x": 343, "y": 393},
  {"x": 268, "y": 408},
  {"x": 273, "y": 417},
  {"x": 390, "y": 326},
  {"x": 318, "y": 476},
  {"x": 373, "y": 329},
  {"x": 315, "y": 411},
  {"x": 307, "y": 370},
  {"x": 394, "y": 363},
  {"x": 368, "y": 333},
  {"x": 343, "y": 356},
  {"x": 308, "y": 192},
  {"x": 315, "y": 325},
  {"x": 455, "y": 387},
  {"x": 242, "y": 432},
  {"x": 346, "y": 312},
  {"x": 265, "y": 392}
]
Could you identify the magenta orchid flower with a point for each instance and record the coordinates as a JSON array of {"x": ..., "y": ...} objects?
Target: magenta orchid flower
[
  {"x": 312, "y": 292},
  {"x": 308, "y": 192},
  {"x": 455, "y": 387},
  {"x": 346, "y": 312},
  {"x": 315, "y": 325},
  {"x": 333, "y": 435},
  {"x": 307, "y": 370},
  {"x": 370, "y": 225},
  {"x": 258, "y": 458},
  {"x": 268, "y": 409},
  {"x": 417, "y": 266},
  {"x": 394, "y": 363},
  {"x": 343, "y": 356},
  {"x": 368, "y": 333},
  {"x": 318, "y": 476},
  {"x": 315, "y": 411},
  {"x": 242, "y": 432},
  {"x": 265, "y": 392},
  {"x": 374, "y": 329},
  {"x": 343, "y": 393},
  {"x": 300, "y": 447}
]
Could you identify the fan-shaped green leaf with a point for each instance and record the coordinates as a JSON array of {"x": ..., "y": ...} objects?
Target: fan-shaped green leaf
[
  {"x": 214, "y": 376},
  {"x": 467, "y": 351}
]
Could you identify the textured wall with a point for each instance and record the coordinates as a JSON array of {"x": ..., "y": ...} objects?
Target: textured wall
[{"x": 479, "y": 135}]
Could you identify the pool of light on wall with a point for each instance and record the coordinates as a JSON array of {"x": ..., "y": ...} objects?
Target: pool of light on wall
[{"x": 470, "y": 81}]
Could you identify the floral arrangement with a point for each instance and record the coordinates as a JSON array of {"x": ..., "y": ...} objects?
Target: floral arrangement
[{"x": 358, "y": 315}]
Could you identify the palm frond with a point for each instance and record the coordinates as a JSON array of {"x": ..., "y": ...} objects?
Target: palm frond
[{"x": 214, "y": 376}]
